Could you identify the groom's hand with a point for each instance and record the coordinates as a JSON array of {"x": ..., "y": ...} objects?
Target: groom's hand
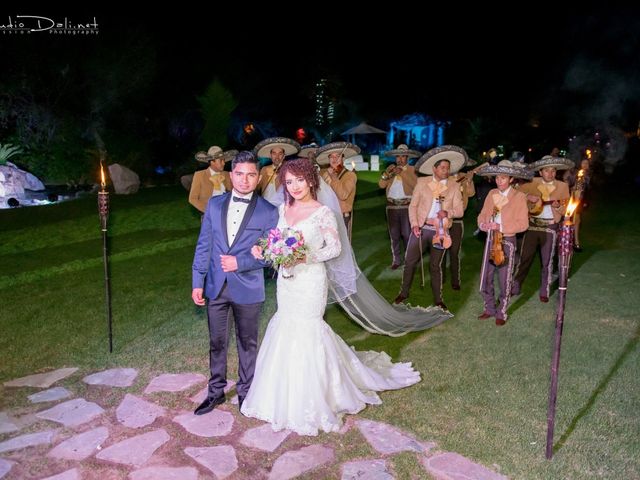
[
  {"x": 228, "y": 263},
  {"x": 196, "y": 295}
]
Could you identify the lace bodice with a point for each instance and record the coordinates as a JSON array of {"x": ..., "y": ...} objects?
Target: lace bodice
[{"x": 320, "y": 232}]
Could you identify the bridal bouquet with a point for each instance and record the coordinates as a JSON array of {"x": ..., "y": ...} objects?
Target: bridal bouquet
[{"x": 283, "y": 247}]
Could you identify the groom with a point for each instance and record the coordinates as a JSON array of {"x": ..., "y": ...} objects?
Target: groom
[{"x": 225, "y": 272}]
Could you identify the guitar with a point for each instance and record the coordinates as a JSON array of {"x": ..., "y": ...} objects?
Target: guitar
[
  {"x": 536, "y": 209},
  {"x": 471, "y": 173}
]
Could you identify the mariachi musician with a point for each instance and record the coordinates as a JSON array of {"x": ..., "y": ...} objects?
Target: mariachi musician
[
  {"x": 343, "y": 181},
  {"x": 399, "y": 180},
  {"x": 277, "y": 149},
  {"x": 547, "y": 200},
  {"x": 436, "y": 201},
  {"x": 504, "y": 213}
]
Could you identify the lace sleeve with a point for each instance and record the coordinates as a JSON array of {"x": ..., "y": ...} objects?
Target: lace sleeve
[{"x": 331, "y": 241}]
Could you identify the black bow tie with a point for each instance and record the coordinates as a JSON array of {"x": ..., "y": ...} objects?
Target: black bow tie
[{"x": 240, "y": 199}]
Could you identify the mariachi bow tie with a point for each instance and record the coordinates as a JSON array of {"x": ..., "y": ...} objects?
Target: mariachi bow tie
[
  {"x": 217, "y": 181},
  {"x": 240, "y": 199},
  {"x": 546, "y": 189}
]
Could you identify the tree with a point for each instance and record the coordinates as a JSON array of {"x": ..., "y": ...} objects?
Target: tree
[{"x": 216, "y": 105}]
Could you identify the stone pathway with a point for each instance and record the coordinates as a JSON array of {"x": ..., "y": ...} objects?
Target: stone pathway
[{"x": 52, "y": 435}]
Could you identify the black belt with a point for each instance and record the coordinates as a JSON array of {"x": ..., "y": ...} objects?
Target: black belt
[
  {"x": 541, "y": 222},
  {"x": 398, "y": 202}
]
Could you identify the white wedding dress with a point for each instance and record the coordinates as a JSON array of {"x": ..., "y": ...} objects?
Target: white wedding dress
[{"x": 306, "y": 376}]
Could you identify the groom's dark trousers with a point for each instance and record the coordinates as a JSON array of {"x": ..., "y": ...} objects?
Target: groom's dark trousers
[{"x": 245, "y": 318}]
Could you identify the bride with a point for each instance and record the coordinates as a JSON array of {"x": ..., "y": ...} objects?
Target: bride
[{"x": 306, "y": 376}]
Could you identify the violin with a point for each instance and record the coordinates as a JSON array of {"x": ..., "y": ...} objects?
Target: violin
[
  {"x": 441, "y": 239},
  {"x": 496, "y": 253}
]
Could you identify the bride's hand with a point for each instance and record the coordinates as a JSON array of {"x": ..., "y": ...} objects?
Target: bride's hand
[
  {"x": 256, "y": 251},
  {"x": 297, "y": 261}
]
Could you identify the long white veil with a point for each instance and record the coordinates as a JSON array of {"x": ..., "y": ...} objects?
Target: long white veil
[{"x": 349, "y": 287}]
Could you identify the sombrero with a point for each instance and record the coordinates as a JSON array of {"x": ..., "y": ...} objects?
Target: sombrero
[
  {"x": 506, "y": 167},
  {"x": 456, "y": 156},
  {"x": 347, "y": 149},
  {"x": 308, "y": 149},
  {"x": 402, "y": 150},
  {"x": 263, "y": 148},
  {"x": 215, "y": 152},
  {"x": 559, "y": 163}
]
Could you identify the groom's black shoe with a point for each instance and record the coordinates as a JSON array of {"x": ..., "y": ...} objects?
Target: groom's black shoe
[
  {"x": 240, "y": 402},
  {"x": 209, "y": 404}
]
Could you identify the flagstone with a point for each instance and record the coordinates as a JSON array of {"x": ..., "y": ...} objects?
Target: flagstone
[
  {"x": 27, "y": 440},
  {"x": 5, "y": 466},
  {"x": 134, "y": 412},
  {"x": 453, "y": 466},
  {"x": 80, "y": 446},
  {"x": 366, "y": 470},
  {"x": 347, "y": 425},
  {"x": 218, "y": 423},
  {"x": 386, "y": 439},
  {"x": 136, "y": 450},
  {"x": 202, "y": 394},
  {"x": 116, "y": 377},
  {"x": 221, "y": 460},
  {"x": 165, "y": 473},
  {"x": 7, "y": 424},
  {"x": 41, "y": 380},
  {"x": 174, "y": 382},
  {"x": 264, "y": 438},
  {"x": 55, "y": 393},
  {"x": 296, "y": 462},
  {"x": 72, "y": 474},
  {"x": 72, "y": 412}
]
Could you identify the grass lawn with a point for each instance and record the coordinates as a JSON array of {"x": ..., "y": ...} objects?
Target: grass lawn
[{"x": 484, "y": 391}]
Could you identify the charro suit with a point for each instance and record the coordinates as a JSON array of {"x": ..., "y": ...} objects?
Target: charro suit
[
  {"x": 202, "y": 187},
  {"x": 513, "y": 219},
  {"x": 542, "y": 232},
  {"x": 419, "y": 209},
  {"x": 398, "y": 209}
]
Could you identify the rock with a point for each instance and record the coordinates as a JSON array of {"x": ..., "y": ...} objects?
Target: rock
[{"x": 125, "y": 181}]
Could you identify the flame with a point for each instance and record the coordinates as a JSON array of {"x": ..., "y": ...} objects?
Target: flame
[
  {"x": 581, "y": 173},
  {"x": 102, "y": 180},
  {"x": 573, "y": 204},
  {"x": 588, "y": 152}
]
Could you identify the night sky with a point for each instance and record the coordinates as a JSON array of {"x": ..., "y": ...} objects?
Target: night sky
[
  {"x": 560, "y": 65},
  {"x": 483, "y": 64}
]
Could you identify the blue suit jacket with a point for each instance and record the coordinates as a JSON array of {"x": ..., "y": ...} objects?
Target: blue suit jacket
[{"x": 245, "y": 285}]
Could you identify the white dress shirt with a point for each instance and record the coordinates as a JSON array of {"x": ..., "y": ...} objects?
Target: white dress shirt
[
  {"x": 235, "y": 214},
  {"x": 435, "y": 205},
  {"x": 498, "y": 218},
  {"x": 396, "y": 190},
  {"x": 546, "y": 213},
  {"x": 214, "y": 192}
]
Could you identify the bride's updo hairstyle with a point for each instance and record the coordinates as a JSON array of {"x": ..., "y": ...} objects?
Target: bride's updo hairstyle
[{"x": 299, "y": 167}]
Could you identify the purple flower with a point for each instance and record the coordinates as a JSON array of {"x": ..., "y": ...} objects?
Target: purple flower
[{"x": 290, "y": 241}]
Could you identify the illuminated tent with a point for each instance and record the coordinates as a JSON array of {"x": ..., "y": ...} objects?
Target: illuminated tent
[{"x": 361, "y": 129}]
